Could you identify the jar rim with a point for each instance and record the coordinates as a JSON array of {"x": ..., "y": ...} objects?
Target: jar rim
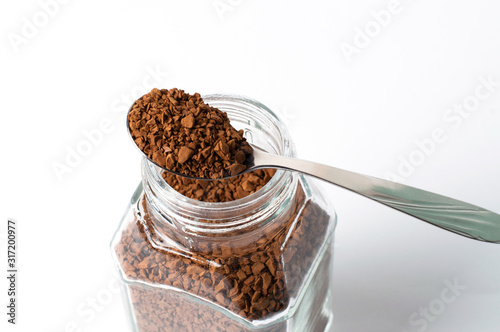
[
  {"x": 218, "y": 211},
  {"x": 287, "y": 151}
]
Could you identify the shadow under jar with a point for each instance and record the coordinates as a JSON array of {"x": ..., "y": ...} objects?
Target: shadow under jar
[{"x": 259, "y": 263}]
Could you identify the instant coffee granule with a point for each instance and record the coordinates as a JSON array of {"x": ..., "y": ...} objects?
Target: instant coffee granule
[
  {"x": 179, "y": 132},
  {"x": 217, "y": 191},
  {"x": 254, "y": 277}
]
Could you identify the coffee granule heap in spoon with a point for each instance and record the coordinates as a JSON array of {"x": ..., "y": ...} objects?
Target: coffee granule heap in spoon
[{"x": 181, "y": 133}]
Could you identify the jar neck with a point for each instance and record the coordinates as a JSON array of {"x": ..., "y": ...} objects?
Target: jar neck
[
  {"x": 216, "y": 219},
  {"x": 173, "y": 212}
]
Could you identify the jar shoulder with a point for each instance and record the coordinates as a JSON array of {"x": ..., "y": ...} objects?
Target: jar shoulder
[{"x": 255, "y": 281}]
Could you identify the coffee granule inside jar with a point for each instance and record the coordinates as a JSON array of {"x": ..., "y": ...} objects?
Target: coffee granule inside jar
[
  {"x": 181, "y": 133},
  {"x": 254, "y": 277},
  {"x": 217, "y": 191}
]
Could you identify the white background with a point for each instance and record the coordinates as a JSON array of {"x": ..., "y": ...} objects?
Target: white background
[{"x": 362, "y": 112}]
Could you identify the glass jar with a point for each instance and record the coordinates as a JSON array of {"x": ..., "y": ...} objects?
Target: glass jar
[{"x": 258, "y": 263}]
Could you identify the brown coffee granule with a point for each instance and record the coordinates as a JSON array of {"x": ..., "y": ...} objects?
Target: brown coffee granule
[
  {"x": 254, "y": 277},
  {"x": 217, "y": 191},
  {"x": 179, "y": 132},
  {"x": 168, "y": 311}
]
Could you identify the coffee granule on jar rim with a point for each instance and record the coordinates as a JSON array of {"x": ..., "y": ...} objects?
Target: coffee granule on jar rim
[
  {"x": 181, "y": 133},
  {"x": 255, "y": 277}
]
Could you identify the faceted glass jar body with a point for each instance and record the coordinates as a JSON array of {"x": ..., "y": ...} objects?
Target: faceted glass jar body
[{"x": 260, "y": 263}]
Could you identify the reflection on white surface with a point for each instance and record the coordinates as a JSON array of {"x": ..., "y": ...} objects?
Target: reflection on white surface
[{"x": 391, "y": 271}]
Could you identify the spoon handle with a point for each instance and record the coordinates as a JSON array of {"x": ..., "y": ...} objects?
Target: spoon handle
[{"x": 453, "y": 215}]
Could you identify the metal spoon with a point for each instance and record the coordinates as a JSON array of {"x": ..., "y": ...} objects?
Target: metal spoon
[{"x": 453, "y": 215}]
